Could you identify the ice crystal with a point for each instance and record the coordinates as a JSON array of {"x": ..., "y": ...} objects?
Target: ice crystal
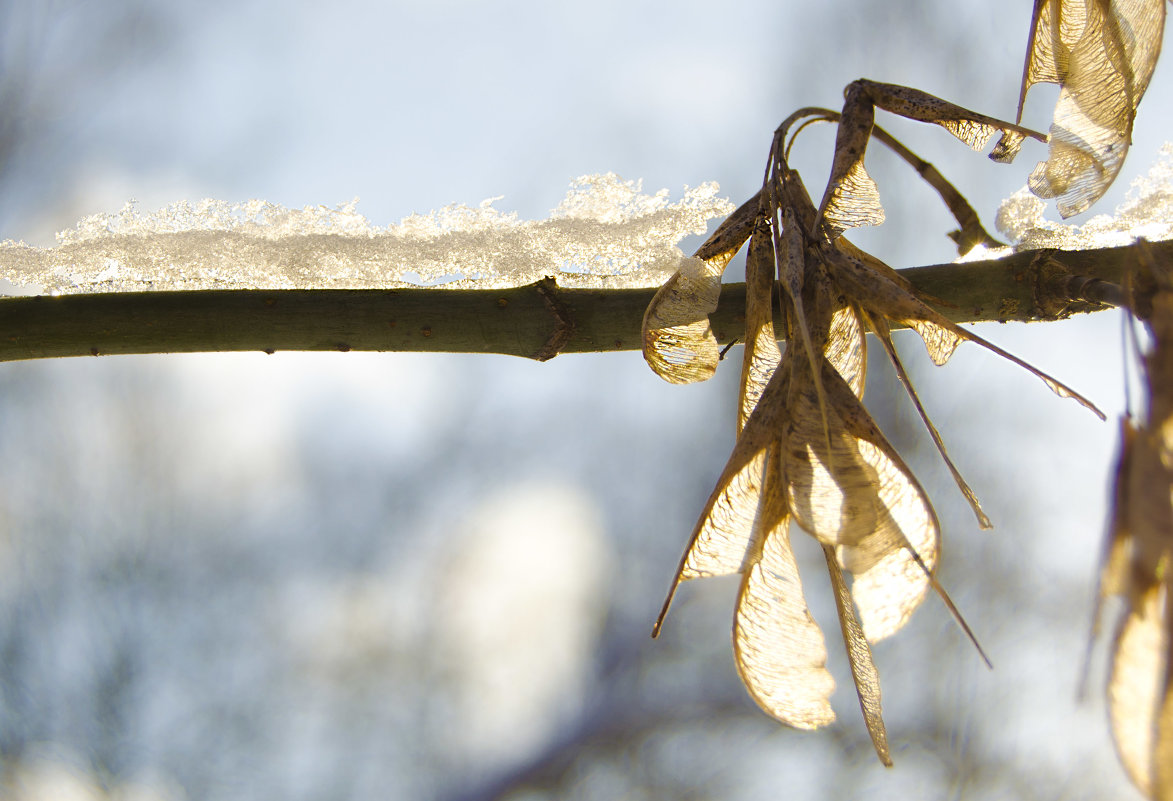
[{"x": 606, "y": 233}]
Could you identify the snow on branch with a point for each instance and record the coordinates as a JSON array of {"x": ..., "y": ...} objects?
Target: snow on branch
[
  {"x": 605, "y": 233},
  {"x": 218, "y": 277}
]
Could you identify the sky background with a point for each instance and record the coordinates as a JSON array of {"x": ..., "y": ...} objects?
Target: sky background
[{"x": 412, "y": 576}]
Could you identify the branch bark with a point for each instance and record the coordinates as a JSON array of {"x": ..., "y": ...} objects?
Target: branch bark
[{"x": 534, "y": 321}]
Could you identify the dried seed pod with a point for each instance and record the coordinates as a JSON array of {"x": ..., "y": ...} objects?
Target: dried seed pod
[
  {"x": 1102, "y": 53},
  {"x": 1139, "y": 564},
  {"x": 807, "y": 450}
]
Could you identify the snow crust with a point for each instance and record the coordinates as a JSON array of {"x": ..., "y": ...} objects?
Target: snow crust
[
  {"x": 1146, "y": 212},
  {"x": 605, "y": 233}
]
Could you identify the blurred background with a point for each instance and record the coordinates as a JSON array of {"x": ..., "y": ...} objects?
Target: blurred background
[{"x": 373, "y": 576}]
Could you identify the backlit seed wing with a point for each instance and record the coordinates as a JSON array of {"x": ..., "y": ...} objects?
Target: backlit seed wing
[
  {"x": 863, "y": 669},
  {"x": 861, "y": 498},
  {"x": 1102, "y": 53},
  {"x": 847, "y": 348},
  {"x": 940, "y": 342},
  {"x": 879, "y": 295},
  {"x": 893, "y": 564},
  {"x": 762, "y": 354},
  {"x": 1140, "y": 699},
  {"x": 725, "y": 530},
  {"x": 678, "y": 341},
  {"x": 1116, "y": 572},
  {"x": 880, "y": 326},
  {"x": 727, "y": 527},
  {"x": 830, "y": 487},
  {"x": 851, "y": 198},
  {"x": 971, "y": 232},
  {"x": 780, "y": 651},
  {"x": 724, "y": 533},
  {"x": 970, "y": 127},
  {"x": 1139, "y": 564}
]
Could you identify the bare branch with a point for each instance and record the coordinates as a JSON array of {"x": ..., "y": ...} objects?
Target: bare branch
[{"x": 1032, "y": 285}]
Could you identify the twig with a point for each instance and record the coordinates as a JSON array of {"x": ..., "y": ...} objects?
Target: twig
[{"x": 512, "y": 321}]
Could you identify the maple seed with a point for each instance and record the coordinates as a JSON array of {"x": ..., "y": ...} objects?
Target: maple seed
[
  {"x": 1102, "y": 54},
  {"x": 1138, "y": 554},
  {"x": 807, "y": 451}
]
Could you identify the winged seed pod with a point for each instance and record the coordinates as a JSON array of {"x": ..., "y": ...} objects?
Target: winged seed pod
[
  {"x": 677, "y": 340},
  {"x": 852, "y": 199},
  {"x": 807, "y": 451},
  {"x": 1102, "y": 53},
  {"x": 1140, "y": 558}
]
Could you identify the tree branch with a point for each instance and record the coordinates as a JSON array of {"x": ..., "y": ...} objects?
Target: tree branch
[{"x": 534, "y": 321}]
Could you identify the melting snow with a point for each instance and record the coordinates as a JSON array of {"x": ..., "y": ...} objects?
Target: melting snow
[{"x": 606, "y": 233}]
